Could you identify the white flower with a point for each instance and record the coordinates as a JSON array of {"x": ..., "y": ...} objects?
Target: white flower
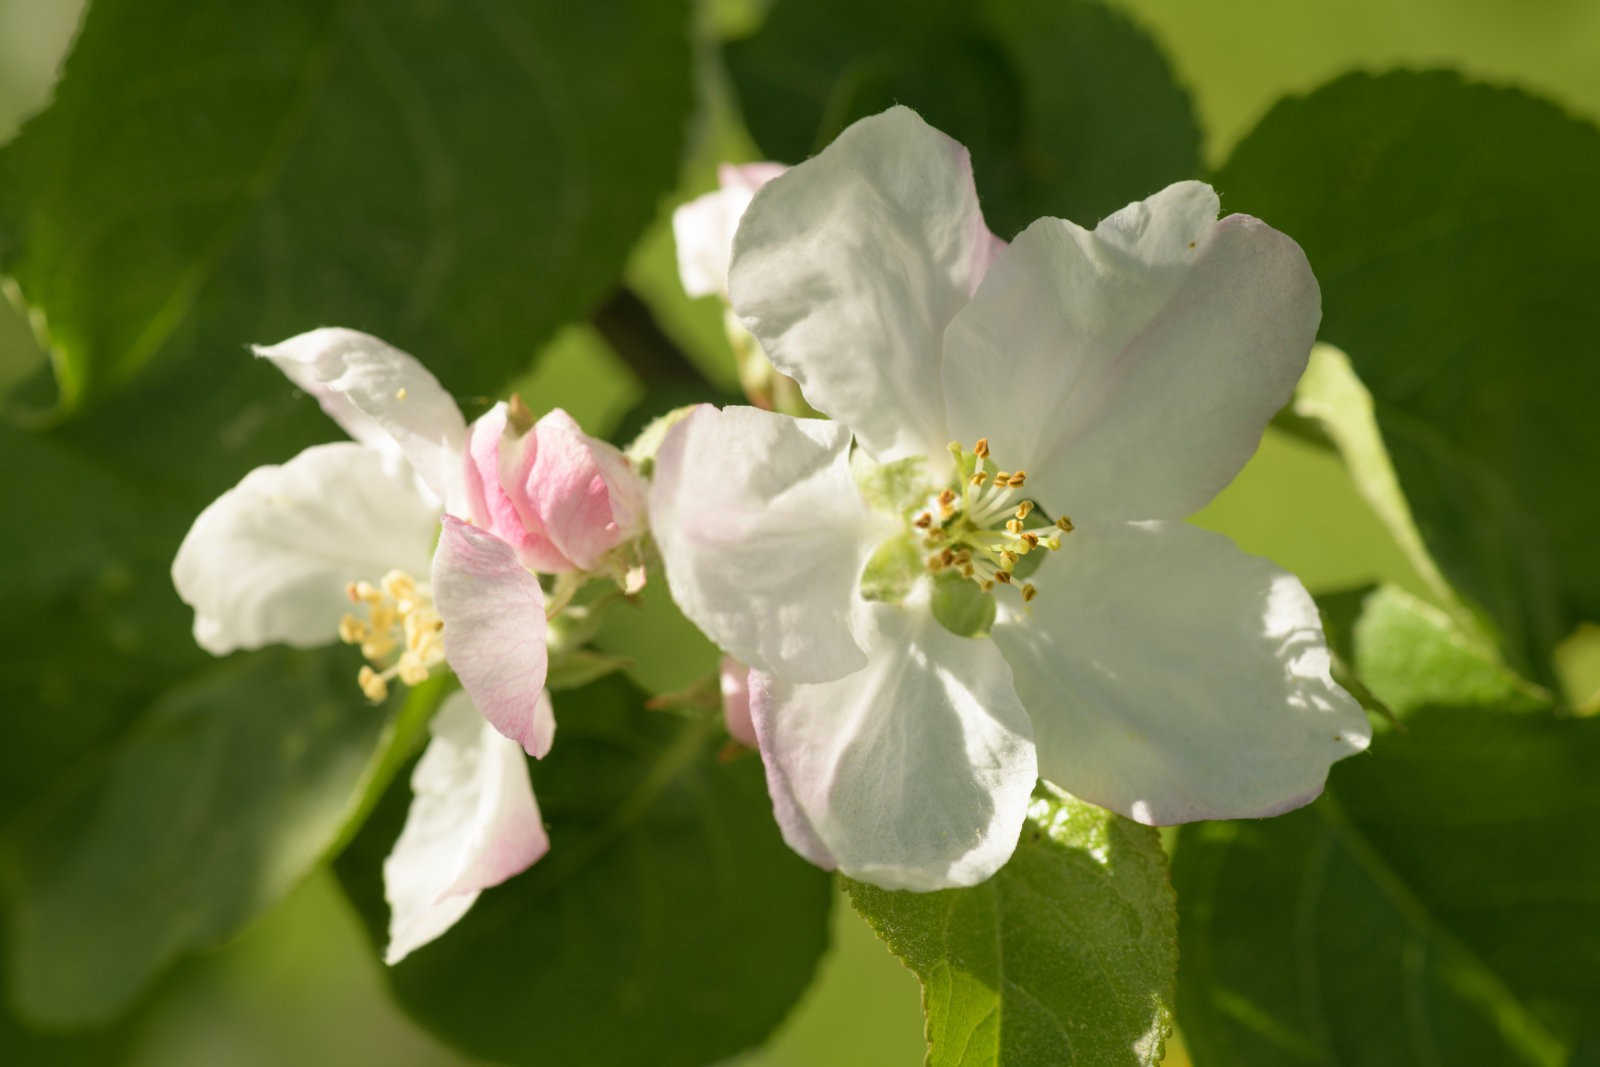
[
  {"x": 329, "y": 546},
  {"x": 1119, "y": 376}
]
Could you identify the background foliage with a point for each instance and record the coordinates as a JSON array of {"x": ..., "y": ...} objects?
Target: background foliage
[{"x": 488, "y": 186}]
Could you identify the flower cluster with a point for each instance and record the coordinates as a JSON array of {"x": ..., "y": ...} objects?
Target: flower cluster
[{"x": 972, "y": 574}]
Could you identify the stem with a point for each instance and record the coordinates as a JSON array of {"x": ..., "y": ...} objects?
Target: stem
[{"x": 630, "y": 328}]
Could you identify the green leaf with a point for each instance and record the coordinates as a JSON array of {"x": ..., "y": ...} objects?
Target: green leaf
[
  {"x": 1435, "y": 906},
  {"x": 1454, "y": 230},
  {"x": 459, "y": 181},
  {"x": 1069, "y": 109},
  {"x": 668, "y": 924},
  {"x": 226, "y": 793},
  {"x": 1065, "y": 957}
]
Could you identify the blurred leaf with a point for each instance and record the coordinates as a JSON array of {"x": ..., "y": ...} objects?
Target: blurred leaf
[
  {"x": 1456, "y": 235},
  {"x": 1435, "y": 906},
  {"x": 669, "y": 924},
  {"x": 457, "y": 180},
  {"x": 665, "y": 652},
  {"x": 221, "y": 799},
  {"x": 1069, "y": 109},
  {"x": 1066, "y": 956}
]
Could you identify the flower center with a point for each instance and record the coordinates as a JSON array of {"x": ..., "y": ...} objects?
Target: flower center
[
  {"x": 400, "y": 619},
  {"x": 983, "y": 525}
]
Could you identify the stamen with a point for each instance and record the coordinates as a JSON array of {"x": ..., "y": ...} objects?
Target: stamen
[
  {"x": 978, "y": 479},
  {"x": 923, "y": 521},
  {"x": 1024, "y": 509},
  {"x": 400, "y": 615},
  {"x": 981, "y": 449},
  {"x": 1028, "y": 592},
  {"x": 1014, "y": 526},
  {"x": 1003, "y": 577},
  {"x": 1065, "y": 524},
  {"x": 1017, "y": 479}
]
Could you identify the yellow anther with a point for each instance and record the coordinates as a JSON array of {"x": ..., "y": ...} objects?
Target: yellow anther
[
  {"x": 1013, "y": 526},
  {"x": 1030, "y": 538},
  {"x": 934, "y": 562},
  {"x": 1028, "y": 592},
  {"x": 947, "y": 557},
  {"x": 1016, "y": 480},
  {"x": 967, "y": 571},
  {"x": 1024, "y": 509},
  {"x": 923, "y": 521},
  {"x": 1064, "y": 524},
  {"x": 411, "y": 670},
  {"x": 1010, "y": 557},
  {"x": 372, "y": 684},
  {"x": 981, "y": 449},
  {"x": 978, "y": 479},
  {"x": 1003, "y": 577},
  {"x": 353, "y": 631},
  {"x": 947, "y": 497},
  {"x": 987, "y": 585},
  {"x": 1053, "y": 543},
  {"x": 1002, "y": 477},
  {"x": 400, "y": 393}
]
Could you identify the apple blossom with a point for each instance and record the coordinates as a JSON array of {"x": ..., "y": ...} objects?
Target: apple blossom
[
  {"x": 933, "y": 625},
  {"x": 332, "y": 543}
]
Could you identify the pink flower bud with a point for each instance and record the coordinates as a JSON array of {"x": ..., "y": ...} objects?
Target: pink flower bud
[
  {"x": 560, "y": 498},
  {"x": 735, "y": 678}
]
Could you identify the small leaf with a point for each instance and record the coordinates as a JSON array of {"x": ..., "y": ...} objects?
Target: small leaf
[
  {"x": 669, "y": 924},
  {"x": 1065, "y": 957},
  {"x": 579, "y": 667}
]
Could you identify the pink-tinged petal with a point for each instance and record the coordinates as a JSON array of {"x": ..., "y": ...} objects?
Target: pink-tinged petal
[
  {"x": 473, "y": 823},
  {"x": 490, "y": 506},
  {"x": 763, "y": 535},
  {"x": 577, "y": 492},
  {"x": 382, "y": 397},
  {"x": 703, "y": 228},
  {"x": 848, "y": 268},
  {"x": 268, "y": 561},
  {"x": 1171, "y": 677},
  {"x": 735, "y": 680},
  {"x": 493, "y": 612},
  {"x": 912, "y": 773},
  {"x": 1130, "y": 370}
]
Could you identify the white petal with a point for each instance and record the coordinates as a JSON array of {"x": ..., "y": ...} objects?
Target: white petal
[
  {"x": 494, "y": 626},
  {"x": 1171, "y": 677},
  {"x": 764, "y": 537},
  {"x": 703, "y": 228},
  {"x": 912, "y": 773},
  {"x": 848, "y": 268},
  {"x": 381, "y": 397},
  {"x": 1130, "y": 371},
  {"x": 268, "y": 560},
  {"x": 473, "y": 823}
]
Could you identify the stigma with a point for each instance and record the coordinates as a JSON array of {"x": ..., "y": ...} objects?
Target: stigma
[
  {"x": 983, "y": 524},
  {"x": 401, "y": 636}
]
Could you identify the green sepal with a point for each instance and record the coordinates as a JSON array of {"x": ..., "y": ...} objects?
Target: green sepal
[
  {"x": 894, "y": 488},
  {"x": 961, "y": 606},
  {"x": 891, "y": 571}
]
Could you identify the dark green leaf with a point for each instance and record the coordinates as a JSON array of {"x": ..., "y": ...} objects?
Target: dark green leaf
[
  {"x": 226, "y": 793},
  {"x": 1437, "y": 905},
  {"x": 458, "y": 180},
  {"x": 668, "y": 924},
  {"x": 1455, "y": 232},
  {"x": 1065, "y": 957},
  {"x": 1069, "y": 109}
]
